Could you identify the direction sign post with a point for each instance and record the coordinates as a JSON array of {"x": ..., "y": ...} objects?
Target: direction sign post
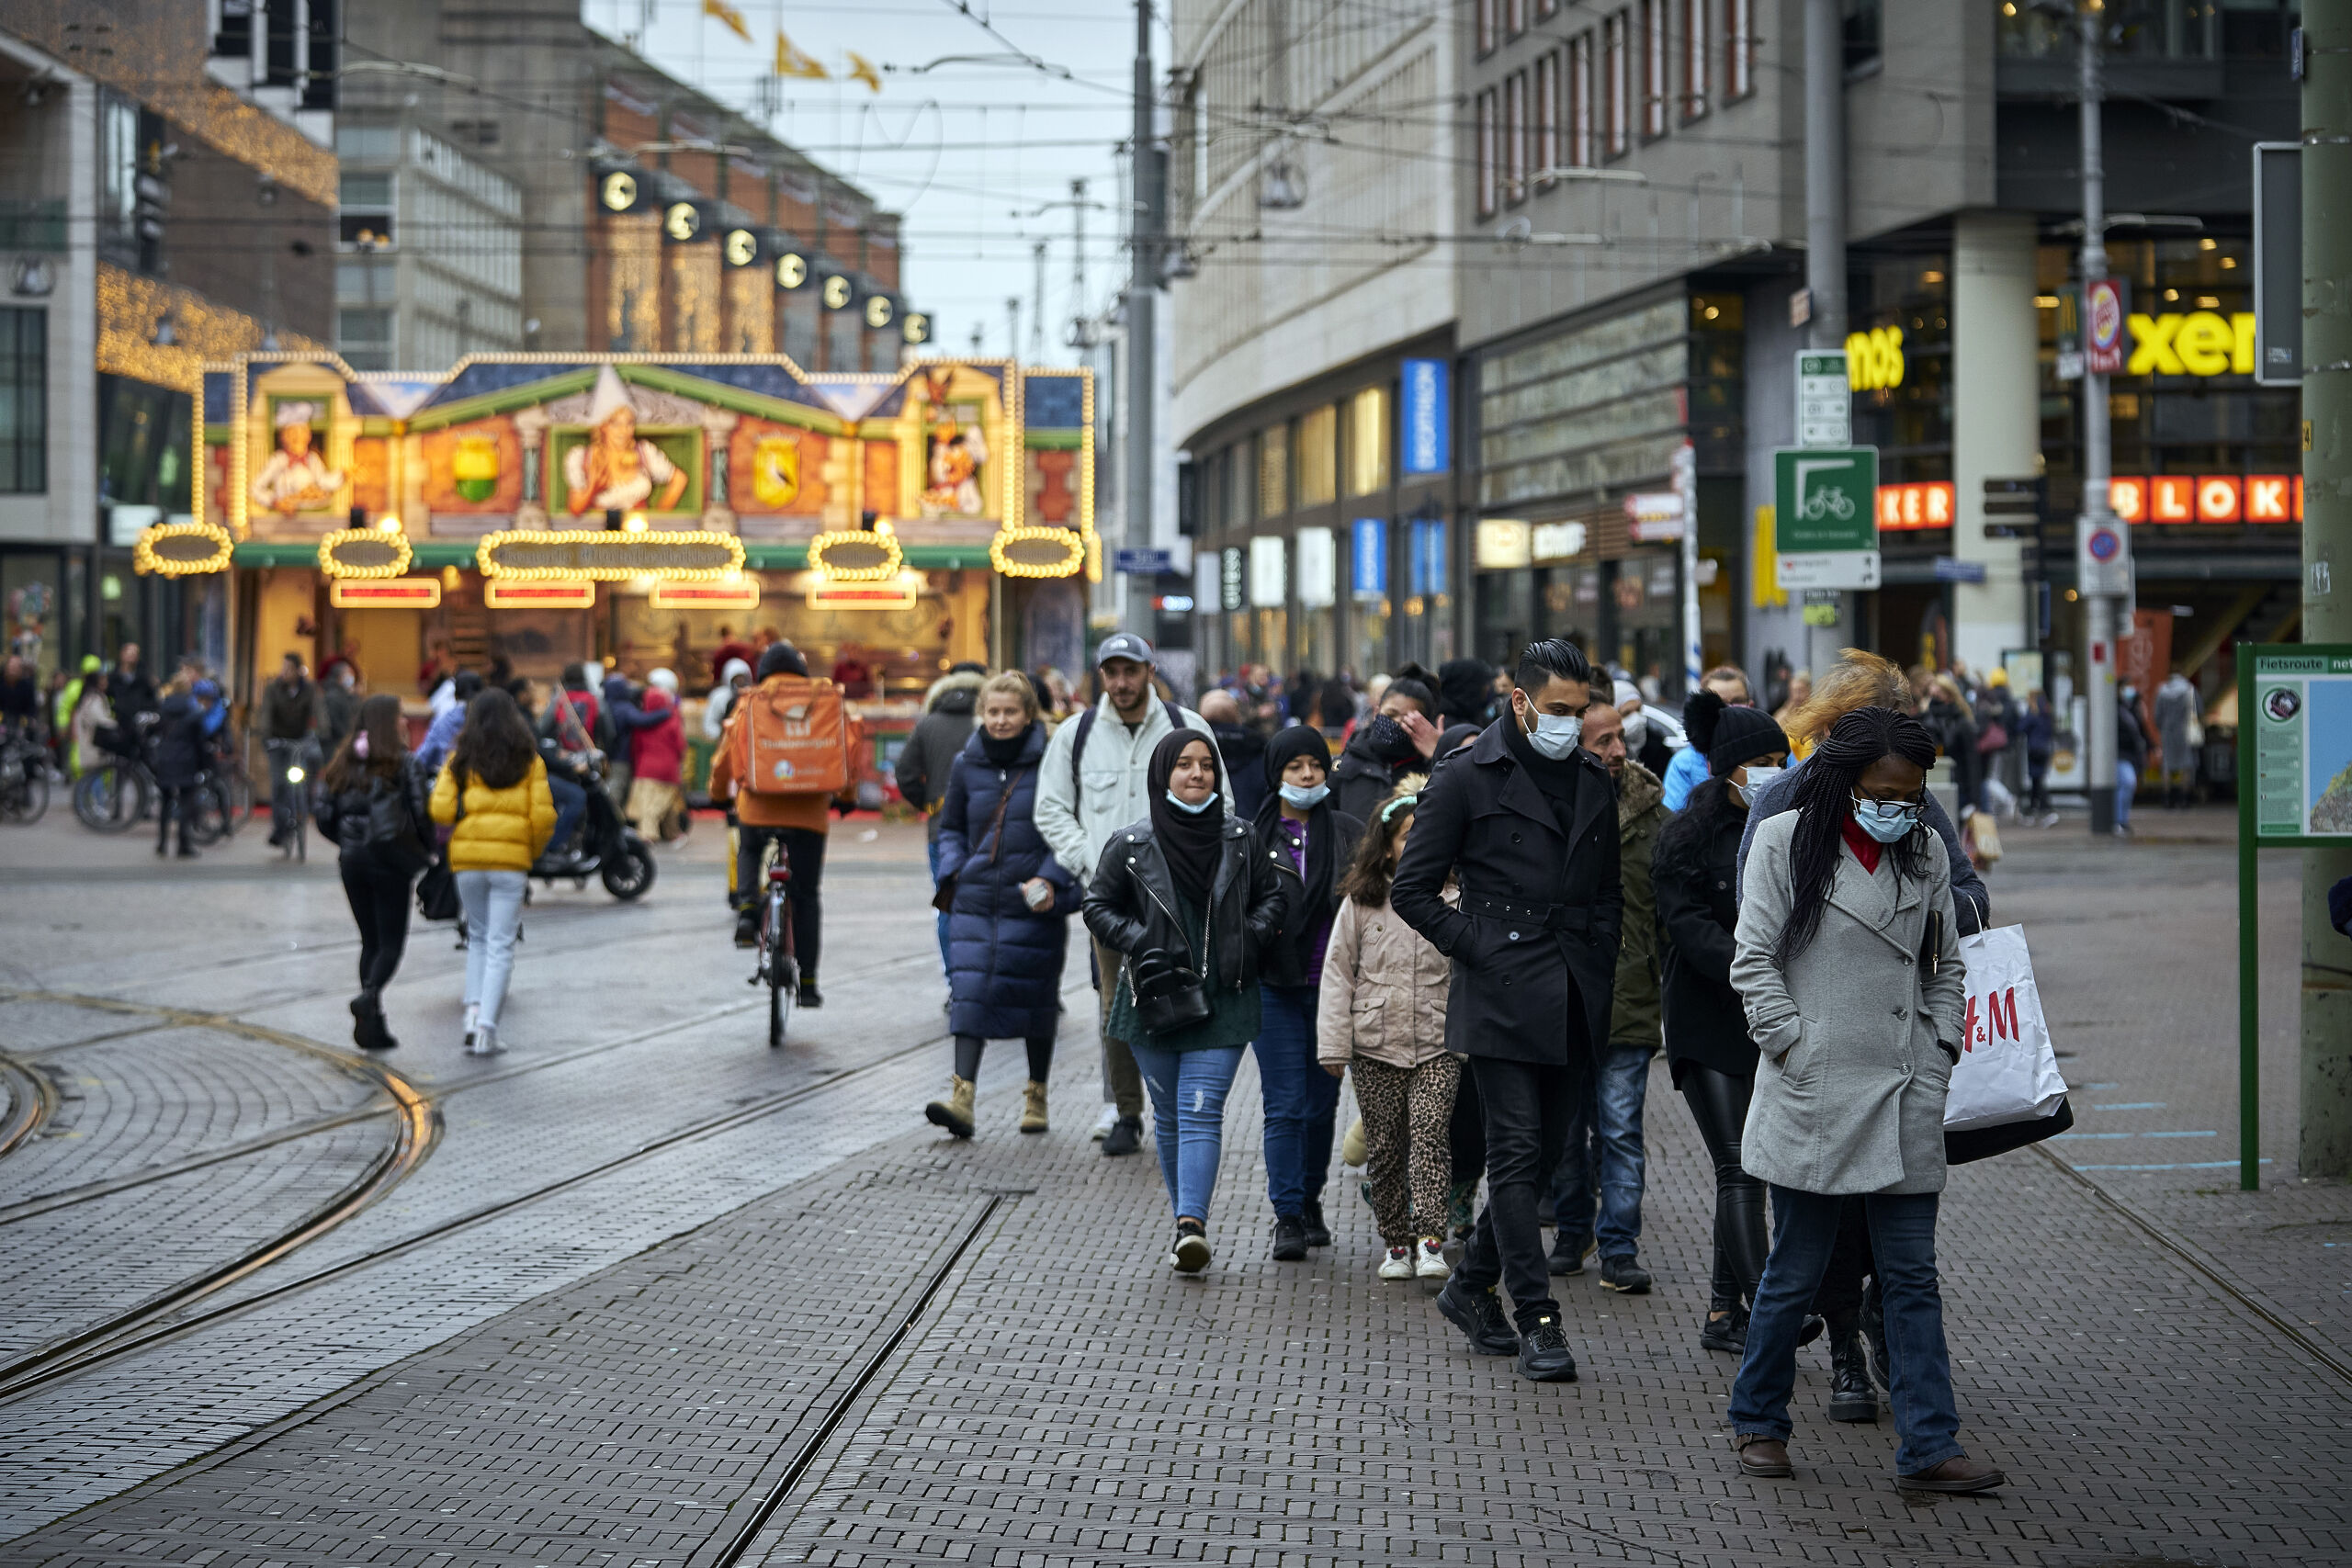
[
  {"x": 1825, "y": 398},
  {"x": 1825, "y": 516}
]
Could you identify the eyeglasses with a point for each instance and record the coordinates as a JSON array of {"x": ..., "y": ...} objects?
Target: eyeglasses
[{"x": 1910, "y": 811}]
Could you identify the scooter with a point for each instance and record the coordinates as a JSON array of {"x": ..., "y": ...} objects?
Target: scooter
[{"x": 606, "y": 848}]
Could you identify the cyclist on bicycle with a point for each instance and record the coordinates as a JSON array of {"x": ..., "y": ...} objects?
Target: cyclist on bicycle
[
  {"x": 796, "y": 822},
  {"x": 290, "y": 717}
]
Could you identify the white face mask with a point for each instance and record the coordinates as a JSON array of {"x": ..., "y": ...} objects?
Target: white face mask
[
  {"x": 1758, "y": 775},
  {"x": 1304, "y": 795},
  {"x": 1556, "y": 736},
  {"x": 1637, "y": 729},
  {"x": 1187, "y": 807}
]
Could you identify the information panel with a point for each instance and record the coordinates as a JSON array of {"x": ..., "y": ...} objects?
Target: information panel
[{"x": 2302, "y": 743}]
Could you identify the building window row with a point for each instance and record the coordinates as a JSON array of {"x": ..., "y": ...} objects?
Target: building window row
[{"x": 1329, "y": 451}]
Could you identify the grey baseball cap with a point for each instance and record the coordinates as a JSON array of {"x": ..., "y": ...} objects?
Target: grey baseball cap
[{"x": 1123, "y": 644}]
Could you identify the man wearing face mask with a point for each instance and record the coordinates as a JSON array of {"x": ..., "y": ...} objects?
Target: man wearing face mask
[
  {"x": 1527, "y": 820},
  {"x": 1397, "y": 739}
]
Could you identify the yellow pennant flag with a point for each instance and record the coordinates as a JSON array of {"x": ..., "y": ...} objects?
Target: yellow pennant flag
[
  {"x": 791, "y": 61},
  {"x": 862, "y": 70},
  {"x": 731, "y": 15}
]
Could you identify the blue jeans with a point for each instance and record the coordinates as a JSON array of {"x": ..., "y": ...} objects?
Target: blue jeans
[
  {"x": 1903, "y": 1242},
  {"x": 2127, "y": 785},
  {"x": 570, "y": 805},
  {"x": 940, "y": 918},
  {"x": 1603, "y": 1161},
  {"x": 494, "y": 906},
  {"x": 1302, "y": 1099},
  {"x": 1187, "y": 1090}
]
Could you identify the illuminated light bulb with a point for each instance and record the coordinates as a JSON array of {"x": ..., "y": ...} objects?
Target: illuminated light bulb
[
  {"x": 634, "y": 522},
  {"x": 390, "y": 523},
  {"x": 294, "y": 774}
]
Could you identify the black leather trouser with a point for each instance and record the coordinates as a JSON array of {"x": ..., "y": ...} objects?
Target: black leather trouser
[{"x": 1718, "y": 1104}]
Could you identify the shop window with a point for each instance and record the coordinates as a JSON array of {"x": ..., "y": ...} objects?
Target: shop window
[
  {"x": 1616, "y": 84},
  {"x": 1862, "y": 35},
  {"x": 1318, "y": 456},
  {"x": 1739, "y": 48},
  {"x": 1488, "y": 182},
  {"x": 1515, "y": 138},
  {"x": 1514, "y": 18},
  {"x": 1368, "y": 442},
  {"x": 1273, "y": 471},
  {"x": 1579, "y": 102},
  {"x": 24, "y": 402},
  {"x": 1654, "y": 85},
  {"x": 1696, "y": 85}
]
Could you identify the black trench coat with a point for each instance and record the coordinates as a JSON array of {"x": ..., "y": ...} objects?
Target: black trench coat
[{"x": 1537, "y": 926}]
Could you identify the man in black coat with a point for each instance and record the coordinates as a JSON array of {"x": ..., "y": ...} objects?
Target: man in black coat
[{"x": 1527, "y": 822}]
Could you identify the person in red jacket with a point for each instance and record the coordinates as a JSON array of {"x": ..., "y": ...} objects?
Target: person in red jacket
[{"x": 657, "y": 751}]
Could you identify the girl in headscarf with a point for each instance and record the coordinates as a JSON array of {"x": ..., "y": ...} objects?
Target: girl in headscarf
[
  {"x": 1308, "y": 841},
  {"x": 1185, "y": 890}
]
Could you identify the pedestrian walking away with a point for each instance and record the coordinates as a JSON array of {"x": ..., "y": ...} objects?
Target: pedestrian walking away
[
  {"x": 177, "y": 759},
  {"x": 1849, "y": 908},
  {"x": 1308, "y": 841},
  {"x": 492, "y": 795},
  {"x": 2038, "y": 733},
  {"x": 373, "y": 808},
  {"x": 930, "y": 754},
  {"x": 1692, "y": 870},
  {"x": 1093, "y": 784},
  {"x": 1184, "y": 902},
  {"x": 1381, "y": 1016},
  {"x": 1602, "y": 1166},
  {"x": 1527, "y": 820},
  {"x": 2177, "y": 738},
  {"x": 1009, "y": 902},
  {"x": 290, "y": 717},
  {"x": 2131, "y": 755}
]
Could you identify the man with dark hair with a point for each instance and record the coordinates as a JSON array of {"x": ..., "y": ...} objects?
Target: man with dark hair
[
  {"x": 1527, "y": 822},
  {"x": 290, "y": 722}
]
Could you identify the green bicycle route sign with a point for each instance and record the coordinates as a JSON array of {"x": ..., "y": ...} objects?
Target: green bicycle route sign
[{"x": 1825, "y": 516}]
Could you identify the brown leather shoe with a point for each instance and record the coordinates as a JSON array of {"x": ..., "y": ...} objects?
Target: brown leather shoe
[
  {"x": 1957, "y": 1473},
  {"x": 1766, "y": 1459}
]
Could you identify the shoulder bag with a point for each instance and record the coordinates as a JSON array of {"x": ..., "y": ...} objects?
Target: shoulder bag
[{"x": 437, "y": 890}]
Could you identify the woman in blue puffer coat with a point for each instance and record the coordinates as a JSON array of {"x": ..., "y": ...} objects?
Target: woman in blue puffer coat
[{"x": 1009, "y": 901}]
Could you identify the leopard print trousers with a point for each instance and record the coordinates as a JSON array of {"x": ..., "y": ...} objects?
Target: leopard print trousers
[{"x": 1405, "y": 1114}]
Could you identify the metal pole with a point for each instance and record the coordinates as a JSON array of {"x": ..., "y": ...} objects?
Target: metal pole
[
  {"x": 1825, "y": 233},
  {"x": 2249, "y": 941},
  {"x": 2098, "y": 689},
  {"x": 2324, "y": 1144},
  {"x": 1038, "y": 307},
  {"x": 1079, "y": 336},
  {"x": 1143, "y": 294}
]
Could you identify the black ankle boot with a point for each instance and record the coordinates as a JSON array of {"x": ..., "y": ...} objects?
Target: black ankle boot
[{"x": 1851, "y": 1397}]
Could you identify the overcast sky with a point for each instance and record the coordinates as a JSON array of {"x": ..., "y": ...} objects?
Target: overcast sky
[{"x": 968, "y": 152}]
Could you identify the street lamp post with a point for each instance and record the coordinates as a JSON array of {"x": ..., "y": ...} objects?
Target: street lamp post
[{"x": 2098, "y": 694}]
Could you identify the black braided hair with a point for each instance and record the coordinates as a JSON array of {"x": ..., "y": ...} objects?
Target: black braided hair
[{"x": 1824, "y": 801}]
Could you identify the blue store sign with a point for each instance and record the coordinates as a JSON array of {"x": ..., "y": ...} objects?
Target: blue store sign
[
  {"x": 1429, "y": 558},
  {"x": 1368, "y": 559},
  {"x": 1426, "y": 417}
]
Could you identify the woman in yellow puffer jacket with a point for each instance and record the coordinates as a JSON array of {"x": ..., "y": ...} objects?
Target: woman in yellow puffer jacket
[{"x": 493, "y": 792}]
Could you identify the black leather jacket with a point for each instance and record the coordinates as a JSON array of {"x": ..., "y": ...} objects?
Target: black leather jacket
[{"x": 1131, "y": 902}]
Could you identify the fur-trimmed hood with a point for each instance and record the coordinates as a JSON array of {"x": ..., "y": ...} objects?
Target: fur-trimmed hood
[{"x": 956, "y": 692}]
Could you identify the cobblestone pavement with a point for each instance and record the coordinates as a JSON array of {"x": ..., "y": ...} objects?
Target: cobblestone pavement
[{"x": 617, "y": 1372}]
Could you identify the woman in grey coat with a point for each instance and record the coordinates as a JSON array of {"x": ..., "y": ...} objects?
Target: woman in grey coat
[{"x": 1847, "y": 961}]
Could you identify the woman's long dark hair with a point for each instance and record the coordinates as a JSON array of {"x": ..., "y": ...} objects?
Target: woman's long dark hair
[
  {"x": 1368, "y": 873},
  {"x": 1826, "y": 798},
  {"x": 1710, "y": 801},
  {"x": 380, "y": 721},
  {"x": 495, "y": 745}
]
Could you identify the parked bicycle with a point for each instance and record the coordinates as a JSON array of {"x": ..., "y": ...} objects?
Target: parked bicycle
[{"x": 24, "y": 779}]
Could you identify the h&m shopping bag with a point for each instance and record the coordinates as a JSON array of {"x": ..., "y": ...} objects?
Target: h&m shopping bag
[{"x": 2007, "y": 1069}]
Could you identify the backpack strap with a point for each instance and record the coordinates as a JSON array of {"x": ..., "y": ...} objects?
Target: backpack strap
[{"x": 1078, "y": 749}]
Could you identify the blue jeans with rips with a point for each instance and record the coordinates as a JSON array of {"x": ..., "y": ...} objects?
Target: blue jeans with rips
[
  {"x": 1903, "y": 1243},
  {"x": 1602, "y": 1163},
  {"x": 1188, "y": 1089},
  {"x": 1302, "y": 1099}
]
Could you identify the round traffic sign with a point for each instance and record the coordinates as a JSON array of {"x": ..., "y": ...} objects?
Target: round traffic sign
[{"x": 2105, "y": 545}]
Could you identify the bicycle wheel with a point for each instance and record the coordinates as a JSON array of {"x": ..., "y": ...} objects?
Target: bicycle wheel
[
  {"x": 207, "y": 819},
  {"x": 237, "y": 796},
  {"x": 110, "y": 799},
  {"x": 25, "y": 795},
  {"x": 783, "y": 970}
]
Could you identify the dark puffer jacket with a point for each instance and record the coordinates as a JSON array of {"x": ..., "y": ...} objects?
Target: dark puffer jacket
[
  {"x": 1004, "y": 960},
  {"x": 178, "y": 742}
]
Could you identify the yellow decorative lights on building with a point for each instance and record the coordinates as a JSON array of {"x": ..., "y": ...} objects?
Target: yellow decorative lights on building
[
  {"x": 1038, "y": 552},
  {"x": 182, "y": 549},
  {"x": 594, "y": 556},
  {"x": 855, "y": 556},
  {"x": 363, "y": 553}
]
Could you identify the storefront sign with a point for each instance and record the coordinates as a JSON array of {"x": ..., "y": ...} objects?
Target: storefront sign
[
  {"x": 1425, "y": 412},
  {"x": 365, "y": 553},
  {"x": 2207, "y": 498},
  {"x": 1318, "y": 569},
  {"x": 1502, "y": 544},
  {"x": 1269, "y": 585},
  {"x": 183, "y": 549},
  {"x": 1229, "y": 586},
  {"x": 1874, "y": 359},
  {"x": 1825, "y": 398},
  {"x": 1825, "y": 505},
  {"x": 1368, "y": 560},
  {"x": 596, "y": 556},
  {"x": 539, "y": 594},
  {"x": 1558, "y": 541},
  {"x": 1430, "y": 557},
  {"x": 1655, "y": 518},
  {"x": 2103, "y": 326},
  {"x": 739, "y": 593},
  {"x": 2302, "y": 743},
  {"x": 1927, "y": 503},
  {"x": 385, "y": 593},
  {"x": 2203, "y": 343},
  {"x": 855, "y": 556}
]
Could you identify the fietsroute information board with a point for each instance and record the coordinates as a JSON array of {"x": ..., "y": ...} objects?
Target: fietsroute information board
[{"x": 2294, "y": 792}]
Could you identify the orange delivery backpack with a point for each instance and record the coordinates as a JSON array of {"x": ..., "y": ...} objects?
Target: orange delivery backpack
[{"x": 792, "y": 738}]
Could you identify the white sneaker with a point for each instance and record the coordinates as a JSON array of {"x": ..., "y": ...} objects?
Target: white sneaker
[
  {"x": 473, "y": 1022},
  {"x": 484, "y": 1042},
  {"x": 1190, "y": 1254},
  {"x": 1397, "y": 1263},
  {"x": 1429, "y": 1260},
  {"x": 1103, "y": 1124}
]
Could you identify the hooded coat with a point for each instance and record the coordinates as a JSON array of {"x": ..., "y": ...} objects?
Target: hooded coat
[
  {"x": 658, "y": 746},
  {"x": 1004, "y": 960},
  {"x": 930, "y": 753}
]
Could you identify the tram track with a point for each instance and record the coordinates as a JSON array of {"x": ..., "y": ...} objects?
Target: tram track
[
  {"x": 145, "y": 1325},
  {"x": 32, "y": 1100}
]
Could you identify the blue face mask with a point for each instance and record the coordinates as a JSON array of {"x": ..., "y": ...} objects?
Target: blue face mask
[
  {"x": 1304, "y": 795},
  {"x": 1554, "y": 736},
  {"x": 1188, "y": 808},
  {"x": 1888, "y": 821}
]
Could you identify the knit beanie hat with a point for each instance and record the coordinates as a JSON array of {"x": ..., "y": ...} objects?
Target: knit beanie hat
[{"x": 1742, "y": 734}]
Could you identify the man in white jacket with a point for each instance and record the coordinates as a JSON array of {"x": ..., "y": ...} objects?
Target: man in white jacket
[{"x": 1090, "y": 785}]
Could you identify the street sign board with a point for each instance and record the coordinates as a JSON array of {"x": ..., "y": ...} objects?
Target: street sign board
[
  {"x": 2103, "y": 556},
  {"x": 1824, "y": 400},
  {"x": 2302, "y": 743},
  {"x": 2103, "y": 312},
  {"x": 2278, "y": 263},
  {"x": 1950, "y": 569},
  {"x": 1654, "y": 517},
  {"x": 1143, "y": 563},
  {"x": 1825, "y": 516}
]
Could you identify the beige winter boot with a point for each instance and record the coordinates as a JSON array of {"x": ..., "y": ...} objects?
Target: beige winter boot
[
  {"x": 955, "y": 1112},
  {"x": 1032, "y": 1107}
]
